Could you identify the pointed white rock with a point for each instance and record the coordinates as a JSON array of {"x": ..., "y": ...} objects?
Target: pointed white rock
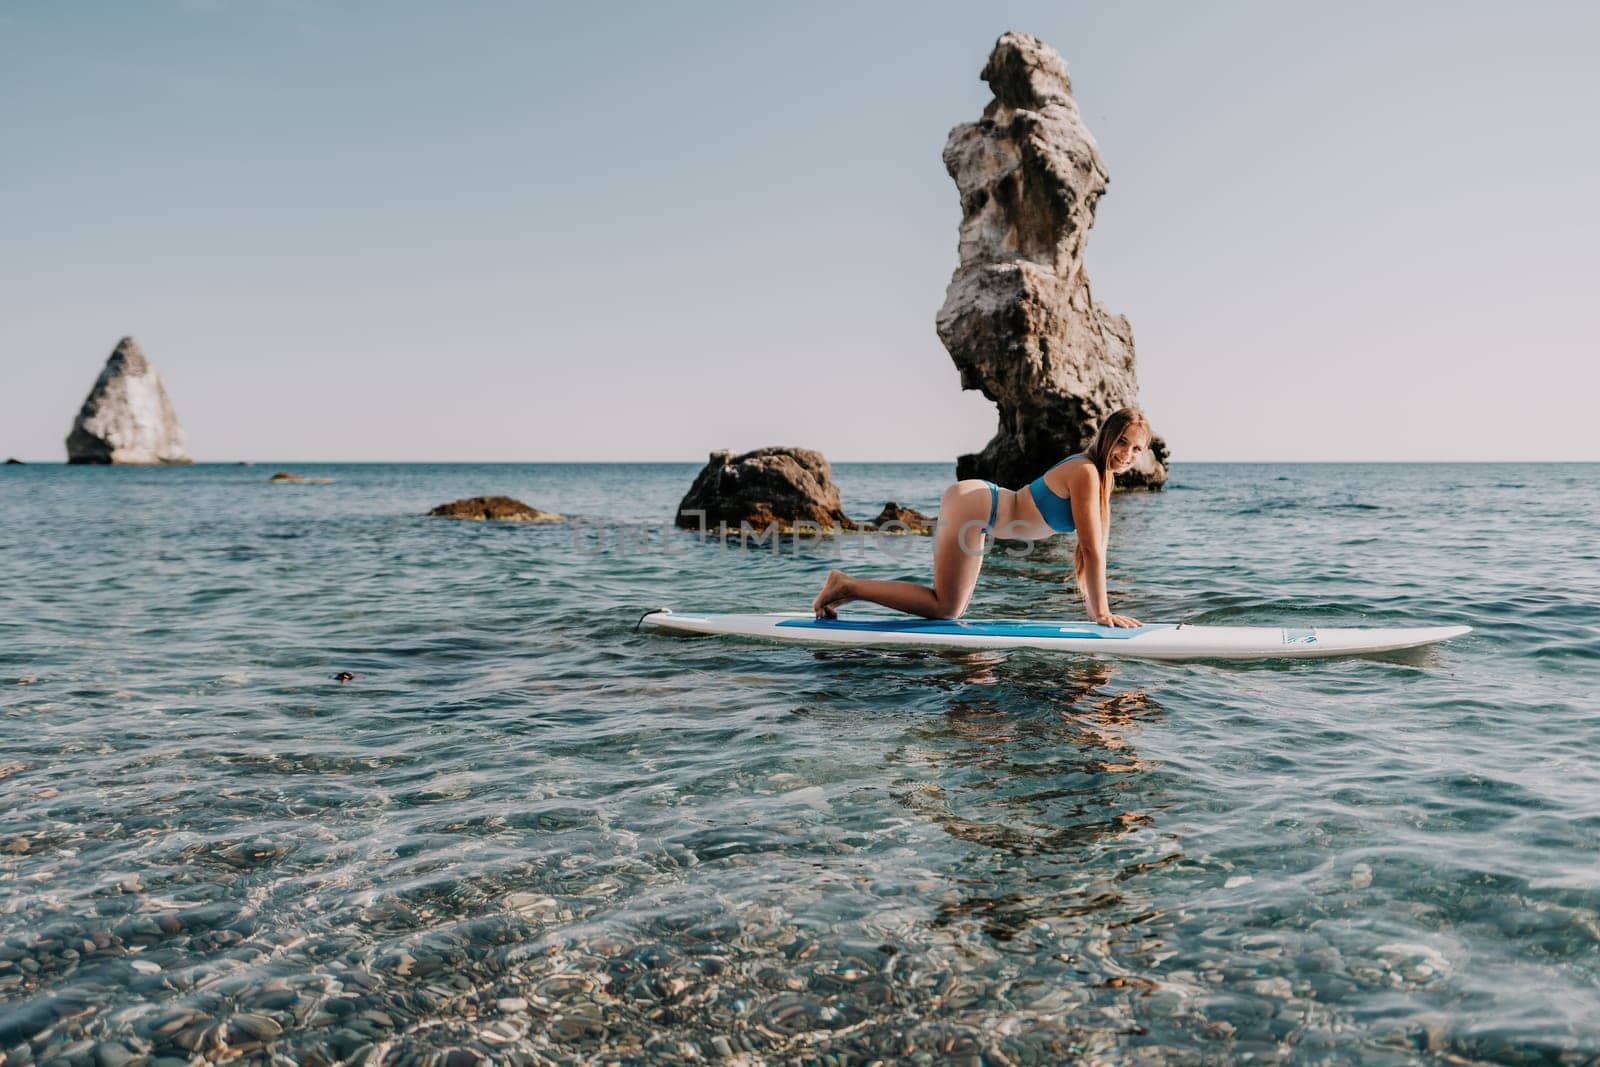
[{"x": 127, "y": 417}]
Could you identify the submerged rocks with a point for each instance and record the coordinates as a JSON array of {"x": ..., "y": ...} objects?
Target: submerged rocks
[
  {"x": 1018, "y": 317},
  {"x": 781, "y": 487},
  {"x": 493, "y": 509},
  {"x": 127, "y": 417}
]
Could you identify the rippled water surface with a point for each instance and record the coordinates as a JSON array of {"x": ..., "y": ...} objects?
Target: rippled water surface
[{"x": 525, "y": 834}]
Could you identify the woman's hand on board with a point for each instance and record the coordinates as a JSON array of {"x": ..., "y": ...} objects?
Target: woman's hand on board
[{"x": 1117, "y": 620}]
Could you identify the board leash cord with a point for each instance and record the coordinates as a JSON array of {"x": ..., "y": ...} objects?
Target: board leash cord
[{"x": 646, "y": 615}]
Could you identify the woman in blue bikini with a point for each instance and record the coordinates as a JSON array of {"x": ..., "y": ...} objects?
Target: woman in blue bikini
[{"x": 1075, "y": 494}]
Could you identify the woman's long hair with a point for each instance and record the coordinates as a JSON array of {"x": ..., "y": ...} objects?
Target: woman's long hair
[{"x": 1117, "y": 423}]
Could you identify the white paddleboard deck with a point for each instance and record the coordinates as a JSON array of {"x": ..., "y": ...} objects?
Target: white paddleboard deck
[{"x": 1161, "y": 641}]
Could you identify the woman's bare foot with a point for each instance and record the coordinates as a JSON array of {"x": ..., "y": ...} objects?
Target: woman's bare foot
[{"x": 835, "y": 591}]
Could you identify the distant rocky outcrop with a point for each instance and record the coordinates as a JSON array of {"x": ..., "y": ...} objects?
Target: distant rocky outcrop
[
  {"x": 493, "y": 509},
  {"x": 290, "y": 478},
  {"x": 127, "y": 417},
  {"x": 13, "y": 462},
  {"x": 769, "y": 487},
  {"x": 904, "y": 520},
  {"x": 1018, "y": 317}
]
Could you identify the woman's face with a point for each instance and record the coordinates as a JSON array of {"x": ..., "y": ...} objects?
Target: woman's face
[{"x": 1126, "y": 452}]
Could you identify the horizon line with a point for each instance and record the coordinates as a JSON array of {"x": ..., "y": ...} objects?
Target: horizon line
[{"x": 690, "y": 462}]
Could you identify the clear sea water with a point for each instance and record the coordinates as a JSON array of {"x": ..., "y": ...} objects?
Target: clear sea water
[{"x": 525, "y": 833}]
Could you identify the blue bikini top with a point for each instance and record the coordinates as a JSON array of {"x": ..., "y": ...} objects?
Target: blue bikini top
[{"x": 1055, "y": 510}]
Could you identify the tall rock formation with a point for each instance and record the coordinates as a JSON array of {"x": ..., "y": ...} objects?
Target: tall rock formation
[
  {"x": 1018, "y": 318},
  {"x": 127, "y": 417}
]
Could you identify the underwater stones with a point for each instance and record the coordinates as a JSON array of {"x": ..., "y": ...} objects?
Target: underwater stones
[
  {"x": 791, "y": 1014},
  {"x": 127, "y": 417},
  {"x": 577, "y": 1023},
  {"x": 1018, "y": 319},
  {"x": 1415, "y": 962},
  {"x": 536, "y": 905},
  {"x": 112, "y": 1054},
  {"x": 492, "y": 509},
  {"x": 252, "y": 1027},
  {"x": 791, "y": 489}
]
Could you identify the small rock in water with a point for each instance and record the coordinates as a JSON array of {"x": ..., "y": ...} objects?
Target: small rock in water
[
  {"x": 901, "y": 520},
  {"x": 345, "y": 676},
  {"x": 791, "y": 489},
  {"x": 510, "y": 1005},
  {"x": 493, "y": 509},
  {"x": 1360, "y": 876}
]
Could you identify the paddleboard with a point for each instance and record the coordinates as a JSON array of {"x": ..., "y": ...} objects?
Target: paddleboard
[{"x": 1158, "y": 641}]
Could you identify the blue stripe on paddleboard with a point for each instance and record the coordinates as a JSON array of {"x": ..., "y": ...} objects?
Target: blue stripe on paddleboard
[{"x": 975, "y": 628}]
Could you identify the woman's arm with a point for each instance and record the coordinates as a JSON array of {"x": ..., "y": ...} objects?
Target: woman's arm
[{"x": 1084, "y": 486}]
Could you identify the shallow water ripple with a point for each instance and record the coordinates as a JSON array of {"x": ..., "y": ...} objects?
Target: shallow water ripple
[{"x": 526, "y": 834}]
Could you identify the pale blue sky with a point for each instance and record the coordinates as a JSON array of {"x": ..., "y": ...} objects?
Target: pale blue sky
[{"x": 516, "y": 231}]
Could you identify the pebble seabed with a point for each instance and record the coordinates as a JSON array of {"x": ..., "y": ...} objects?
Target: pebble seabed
[
  {"x": 722, "y": 944},
  {"x": 537, "y": 982}
]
